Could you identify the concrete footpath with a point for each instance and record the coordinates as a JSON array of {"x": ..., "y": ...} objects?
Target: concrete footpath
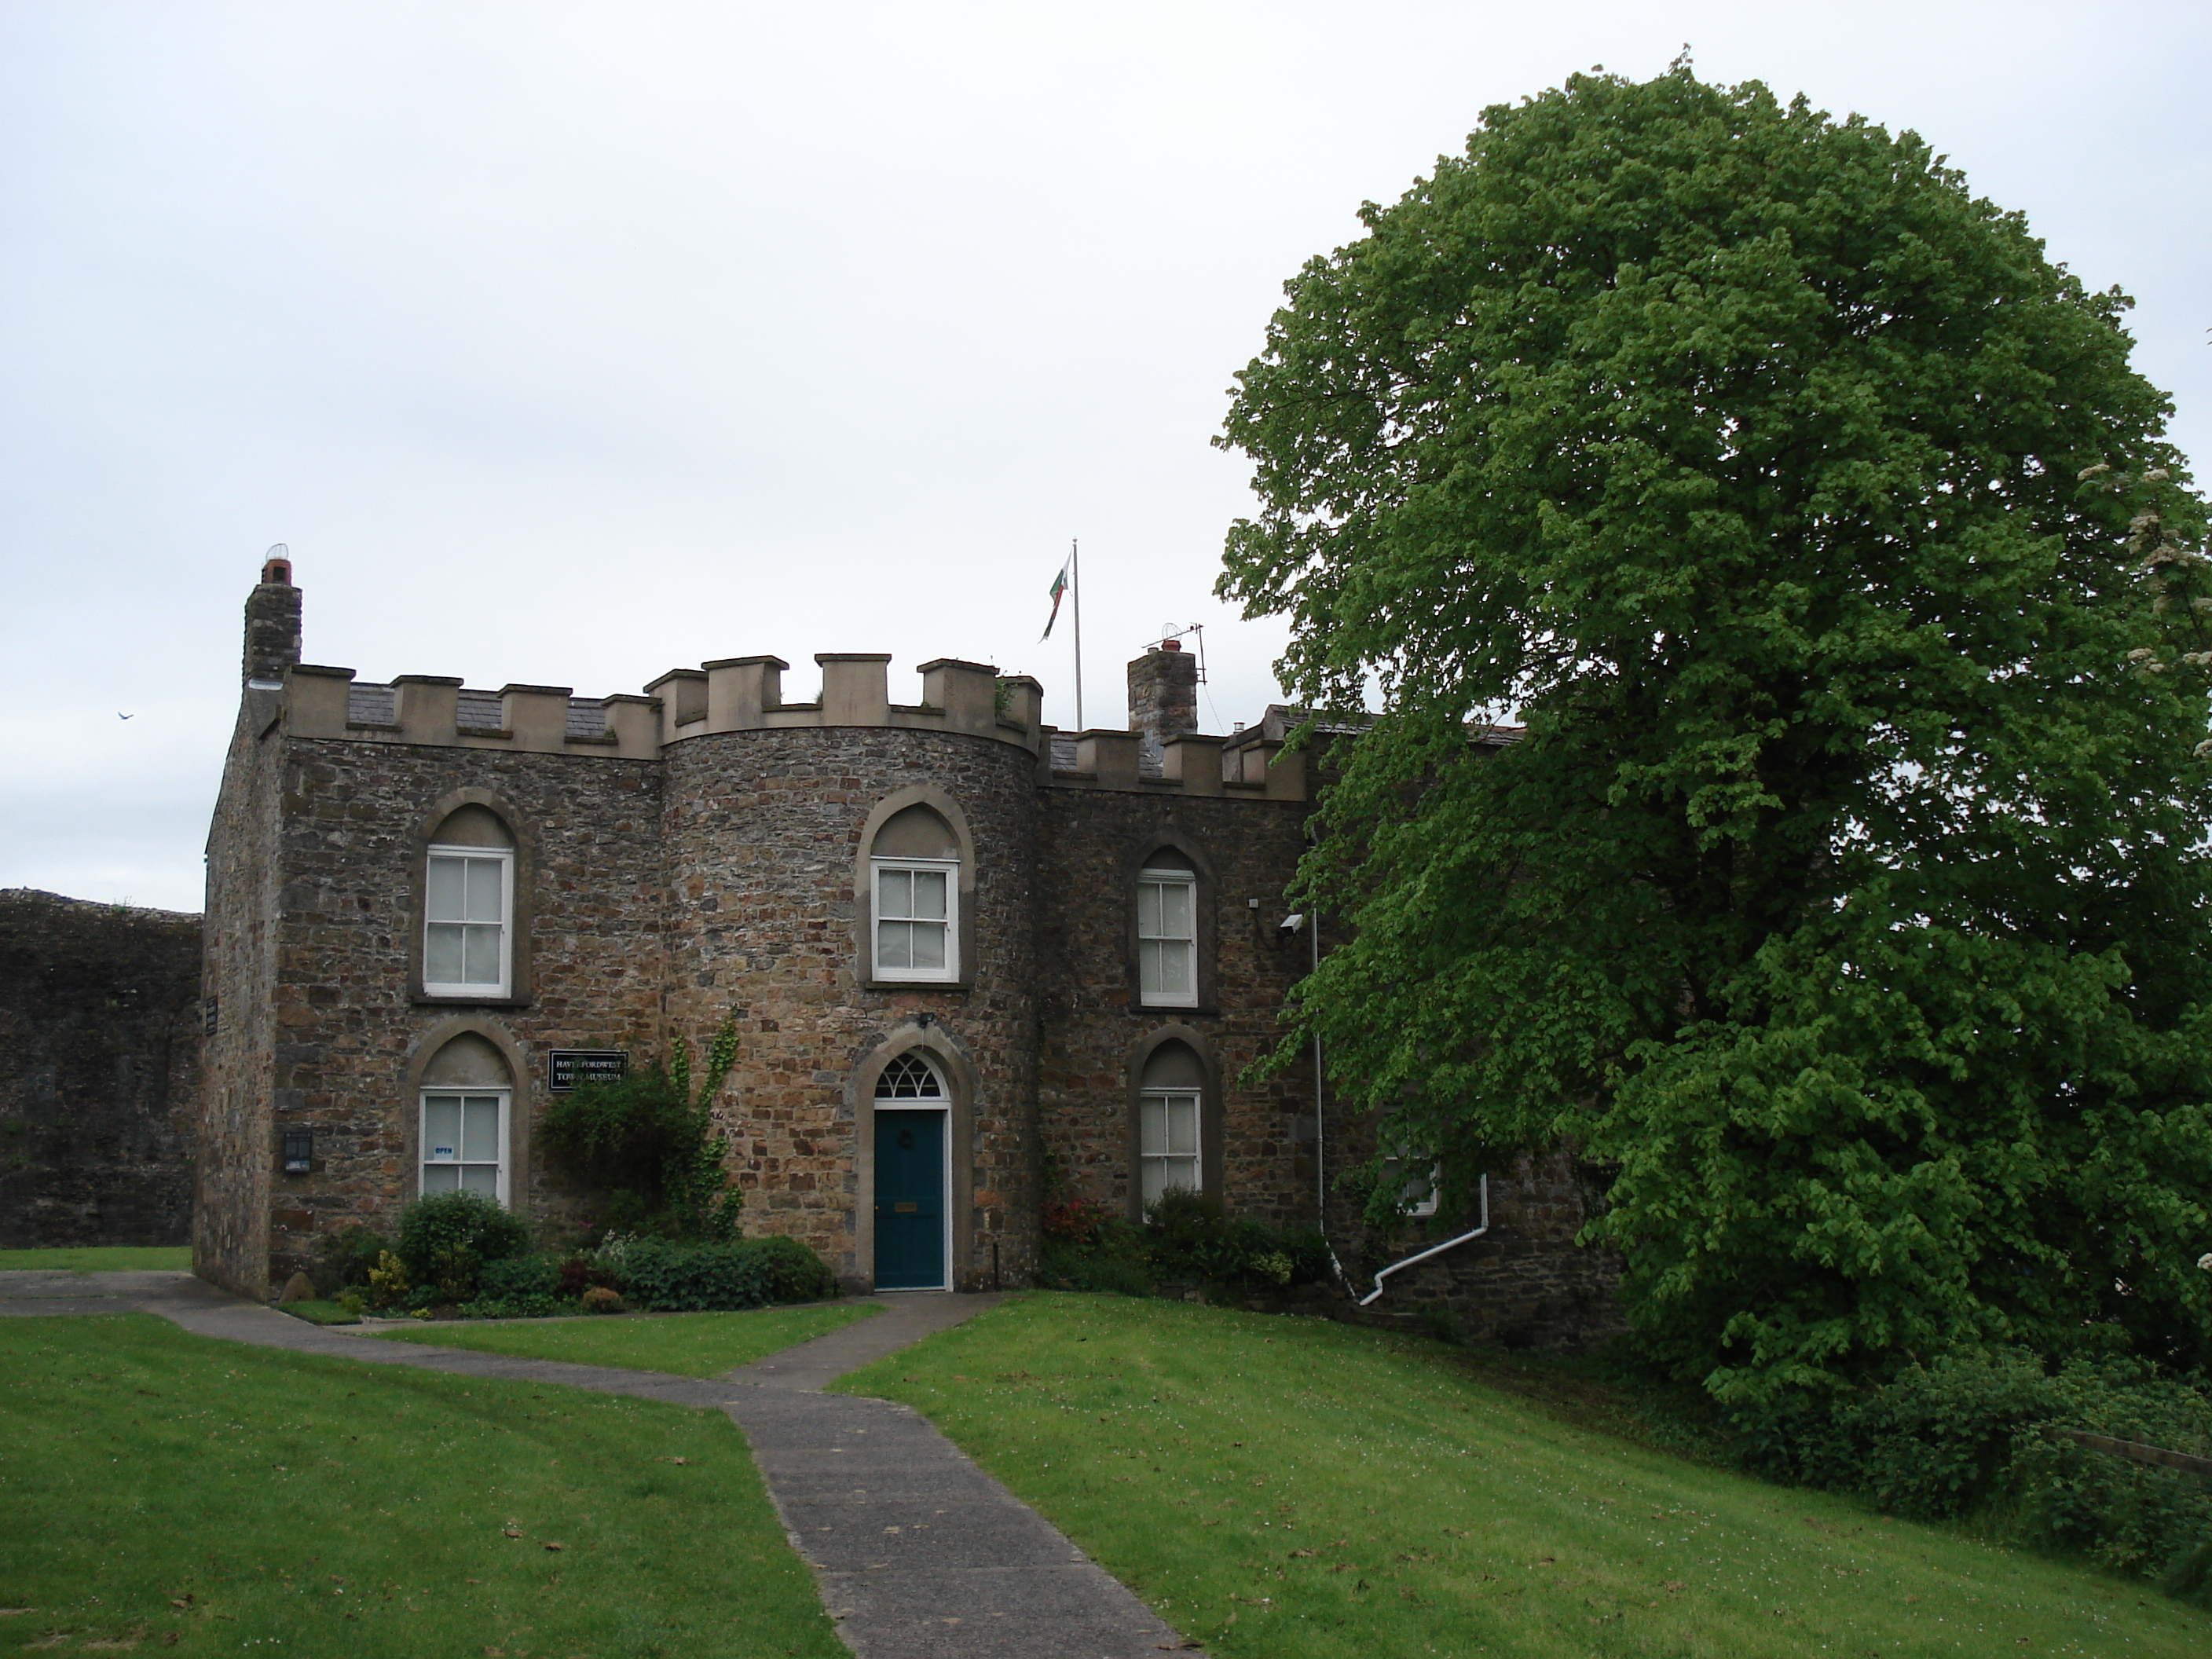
[{"x": 917, "y": 1552}]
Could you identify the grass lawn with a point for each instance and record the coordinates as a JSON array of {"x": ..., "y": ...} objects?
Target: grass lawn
[
  {"x": 1288, "y": 1487},
  {"x": 162, "y": 1489},
  {"x": 685, "y": 1345},
  {"x": 102, "y": 1258}
]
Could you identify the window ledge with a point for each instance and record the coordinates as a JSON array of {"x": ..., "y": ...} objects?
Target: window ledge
[
  {"x": 1137, "y": 1005},
  {"x": 443, "y": 1000},
  {"x": 964, "y": 984}
]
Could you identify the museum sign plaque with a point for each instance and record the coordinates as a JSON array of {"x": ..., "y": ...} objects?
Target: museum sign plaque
[{"x": 565, "y": 1068}]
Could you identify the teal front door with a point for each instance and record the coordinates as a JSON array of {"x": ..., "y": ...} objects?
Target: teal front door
[{"x": 909, "y": 1201}]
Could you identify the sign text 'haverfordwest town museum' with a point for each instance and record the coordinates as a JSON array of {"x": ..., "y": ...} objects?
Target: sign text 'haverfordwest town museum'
[{"x": 961, "y": 950}]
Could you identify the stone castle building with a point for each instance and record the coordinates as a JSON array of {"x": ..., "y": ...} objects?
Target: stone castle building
[{"x": 965, "y": 953}]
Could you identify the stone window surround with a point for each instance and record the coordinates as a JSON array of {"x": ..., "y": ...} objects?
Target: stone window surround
[
  {"x": 522, "y": 1103},
  {"x": 1204, "y": 915},
  {"x": 957, "y": 1072},
  {"x": 864, "y": 893},
  {"x": 1209, "y": 1108},
  {"x": 522, "y": 906}
]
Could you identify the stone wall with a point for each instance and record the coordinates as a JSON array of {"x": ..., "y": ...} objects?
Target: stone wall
[
  {"x": 99, "y": 1061},
  {"x": 230, "y": 1220},
  {"x": 1091, "y": 842},
  {"x": 1524, "y": 1283}
]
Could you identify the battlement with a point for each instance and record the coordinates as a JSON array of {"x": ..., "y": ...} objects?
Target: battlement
[{"x": 745, "y": 694}]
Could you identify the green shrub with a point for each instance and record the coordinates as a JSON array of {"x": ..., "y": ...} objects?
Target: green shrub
[
  {"x": 521, "y": 1278},
  {"x": 1190, "y": 1237},
  {"x": 1187, "y": 1238},
  {"x": 446, "y": 1239},
  {"x": 346, "y": 1257},
  {"x": 601, "y": 1300},
  {"x": 2190, "y": 1578},
  {"x": 1113, "y": 1275},
  {"x": 647, "y": 1144},
  {"x": 665, "y": 1277},
  {"x": 515, "y": 1307},
  {"x": 1080, "y": 1268},
  {"x": 795, "y": 1273},
  {"x": 388, "y": 1285},
  {"x": 1984, "y": 1434}
]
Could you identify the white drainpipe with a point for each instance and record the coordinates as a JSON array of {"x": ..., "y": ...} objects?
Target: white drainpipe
[{"x": 1433, "y": 1250}]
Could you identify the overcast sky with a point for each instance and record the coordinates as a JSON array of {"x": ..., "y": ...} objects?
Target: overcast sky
[{"x": 567, "y": 344}]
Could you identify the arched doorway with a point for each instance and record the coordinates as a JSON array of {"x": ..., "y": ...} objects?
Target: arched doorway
[{"x": 914, "y": 1206}]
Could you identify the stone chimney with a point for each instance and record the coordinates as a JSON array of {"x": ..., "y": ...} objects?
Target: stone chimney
[
  {"x": 1162, "y": 696},
  {"x": 272, "y": 623}
]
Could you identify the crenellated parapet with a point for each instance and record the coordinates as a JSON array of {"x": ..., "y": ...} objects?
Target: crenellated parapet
[
  {"x": 745, "y": 694},
  {"x": 432, "y": 709}
]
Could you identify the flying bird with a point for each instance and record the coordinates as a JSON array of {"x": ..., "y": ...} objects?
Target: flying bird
[{"x": 126, "y": 717}]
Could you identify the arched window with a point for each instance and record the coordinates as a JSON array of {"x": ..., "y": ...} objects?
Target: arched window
[
  {"x": 467, "y": 1103},
  {"x": 468, "y": 907},
  {"x": 1170, "y": 1123},
  {"x": 915, "y": 889},
  {"x": 910, "y": 1077}
]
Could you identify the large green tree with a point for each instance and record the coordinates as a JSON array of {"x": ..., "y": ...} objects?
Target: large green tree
[{"x": 1846, "y": 892}]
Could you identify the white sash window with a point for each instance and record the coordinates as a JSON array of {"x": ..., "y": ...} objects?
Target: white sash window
[
  {"x": 916, "y": 905},
  {"x": 1167, "y": 1142},
  {"x": 1166, "y": 938},
  {"x": 468, "y": 922},
  {"x": 465, "y": 1141}
]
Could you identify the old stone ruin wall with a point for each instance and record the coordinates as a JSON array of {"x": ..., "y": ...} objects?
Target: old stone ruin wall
[
  {"x": 1524, "y": 1284},
  {"x": 99, "y": 1012}
]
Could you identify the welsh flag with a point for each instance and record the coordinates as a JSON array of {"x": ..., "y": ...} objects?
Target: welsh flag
[{"x": 1059, "y": 592}]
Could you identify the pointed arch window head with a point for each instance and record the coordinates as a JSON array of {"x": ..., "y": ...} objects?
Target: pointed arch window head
[
  {"x": 466, "y": 1103},
  {"x": 468, "y": 910},
  {"x": 914, "y": 874},
  {"x": 909, "y": 1077},
  {"x": 1170, "y": 1122}
]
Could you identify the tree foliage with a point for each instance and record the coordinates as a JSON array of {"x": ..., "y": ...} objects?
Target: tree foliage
[
  {"x": 647, "y": 1142},
  {"x": 1845, "y": 892}
]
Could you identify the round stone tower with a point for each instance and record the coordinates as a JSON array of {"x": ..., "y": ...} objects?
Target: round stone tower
[{"x": 852, "y": 881}]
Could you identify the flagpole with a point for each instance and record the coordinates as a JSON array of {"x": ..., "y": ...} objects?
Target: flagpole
[{"x": 1075, "y": 581}]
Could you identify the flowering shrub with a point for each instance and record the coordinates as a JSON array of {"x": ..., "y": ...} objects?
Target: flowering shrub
[{"x": 1076, "y": 1219}]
